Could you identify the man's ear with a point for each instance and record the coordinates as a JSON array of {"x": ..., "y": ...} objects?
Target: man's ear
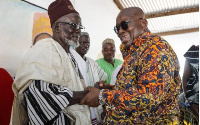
[{"x": 144, "y": 23}]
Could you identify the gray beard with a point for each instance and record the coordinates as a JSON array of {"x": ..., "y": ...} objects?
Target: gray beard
[{"x": 70, "y": 42}]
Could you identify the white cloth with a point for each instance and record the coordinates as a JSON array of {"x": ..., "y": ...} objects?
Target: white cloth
[
  {"x": 95, "y": 74},
  {"x": 94, "y": 71},
  {"x": 83, "y": 69},
  {"x": 47, "y": 61},
  {"x": 114, "y": 75},
  {"x": 81, "y": 65}
]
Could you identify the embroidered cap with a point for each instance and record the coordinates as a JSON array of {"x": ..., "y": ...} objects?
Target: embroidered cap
[
  {"x": 60, "y": 8},
  {"x": 108, "y": 40}
]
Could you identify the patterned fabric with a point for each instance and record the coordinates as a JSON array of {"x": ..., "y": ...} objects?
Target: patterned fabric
[
  {"x": 45, "y": 102},
  {"x": 94, "y": 122},
  {"x": 186, "y": 112},
  {"x": 75, "y": 64},
  {"x": 108, "y": 68},
  {"x": 192, "y": 56},
  {"x": 147, "y": 86}
]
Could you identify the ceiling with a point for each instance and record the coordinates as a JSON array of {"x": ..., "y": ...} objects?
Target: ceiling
[{"x": 166, "y": 17}]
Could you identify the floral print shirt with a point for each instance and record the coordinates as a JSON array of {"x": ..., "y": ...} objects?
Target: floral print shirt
[{"x": 147, "y": 86}]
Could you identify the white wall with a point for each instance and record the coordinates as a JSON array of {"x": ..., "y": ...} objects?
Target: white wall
[
  {"x": 98, "y": 16},
  {"x": 16, "y": 22}
]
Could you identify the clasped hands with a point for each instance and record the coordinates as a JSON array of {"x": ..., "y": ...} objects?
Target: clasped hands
[{"x": 92, "y": 97}]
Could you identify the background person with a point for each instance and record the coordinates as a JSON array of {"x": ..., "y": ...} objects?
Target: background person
[
  {"x": 108, "y": 63},
  {"x": 189, "y": 99},
  {"x": 94, "y": 72},
  {"x": 148, "y": 85},
  {"x": 116, "y": 71}
]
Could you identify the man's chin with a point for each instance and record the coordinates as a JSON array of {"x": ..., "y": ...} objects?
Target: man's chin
[
  {"x": 109, "y": 58},
  {"x": 73, "y": 44},
  {"x": 127, "y": 45}
]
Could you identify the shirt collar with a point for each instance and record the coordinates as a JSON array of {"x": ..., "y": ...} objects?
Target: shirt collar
[{"x": 140, "y": 40}]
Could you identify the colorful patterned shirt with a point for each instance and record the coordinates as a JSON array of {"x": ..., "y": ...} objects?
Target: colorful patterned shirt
[
  {"x": 108, "y": 67},
  {"x": 147, "y": 86}
]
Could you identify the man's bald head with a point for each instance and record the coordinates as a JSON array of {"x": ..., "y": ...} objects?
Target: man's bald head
[{"x": 134, "y": 12}]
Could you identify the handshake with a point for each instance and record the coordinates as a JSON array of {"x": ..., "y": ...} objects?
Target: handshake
[{"x": 92, "y": 97}]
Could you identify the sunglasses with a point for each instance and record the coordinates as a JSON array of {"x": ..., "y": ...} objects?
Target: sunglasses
[
  {"x": 74, "y": 25},
  {"x": 123, "y": 25}
]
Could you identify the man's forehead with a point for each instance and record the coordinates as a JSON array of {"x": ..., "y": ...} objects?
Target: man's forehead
[
  {"x": 108, "y": 45},
  {"x": 70, "y": 17},
  {"x": 126, "y": 15},
  {"x": 122, "y": 18},
  {"x": 84, "y": 36},
  {"x": 132, "y": 12}
]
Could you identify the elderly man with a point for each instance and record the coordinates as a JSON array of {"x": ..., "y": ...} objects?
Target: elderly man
[
  {"x": 147, "y": 87},
  {"x": 94, "y": 72},
  {"x": 108, "y": 63},
  {"x": 49, "y": 83}
]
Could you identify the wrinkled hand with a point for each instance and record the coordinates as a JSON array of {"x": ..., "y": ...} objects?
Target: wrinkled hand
[
  {"x": 195, "y": 110},
  {"x": 91, "y": 98},
  {"x": 103, "y": 85}
]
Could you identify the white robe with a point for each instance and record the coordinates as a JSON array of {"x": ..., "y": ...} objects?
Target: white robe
[
  {"x": 49, "y": 62},
  {"x": 91, "y": 73}
]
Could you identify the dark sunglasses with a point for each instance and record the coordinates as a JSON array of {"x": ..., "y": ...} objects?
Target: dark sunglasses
[
  {"x": 74, "y": 25},
  {"x": 123, "y": 25}
]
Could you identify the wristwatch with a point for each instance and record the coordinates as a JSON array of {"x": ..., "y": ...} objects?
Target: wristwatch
[{"x": 100, "y": 98}]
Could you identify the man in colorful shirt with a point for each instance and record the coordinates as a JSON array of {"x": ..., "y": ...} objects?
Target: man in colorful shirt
[
  {"x": 148, "y": 84},
  {"x": 108, "y": 63}
]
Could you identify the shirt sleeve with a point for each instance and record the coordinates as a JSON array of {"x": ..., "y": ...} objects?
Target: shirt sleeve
[
  {"x": 155, "y": 74},
  {"x": 45, "y": 101}
]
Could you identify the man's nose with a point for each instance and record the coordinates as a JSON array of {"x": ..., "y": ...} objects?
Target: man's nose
[
  {"x": 120, "y": 31},
  {"x": 85, "y": 45},
  {"x": 78, "y": 31},
  {"x": 109, "y": 51}
]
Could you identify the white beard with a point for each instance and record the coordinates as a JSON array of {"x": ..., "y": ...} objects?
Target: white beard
[{"x": 70, "y": 42}]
